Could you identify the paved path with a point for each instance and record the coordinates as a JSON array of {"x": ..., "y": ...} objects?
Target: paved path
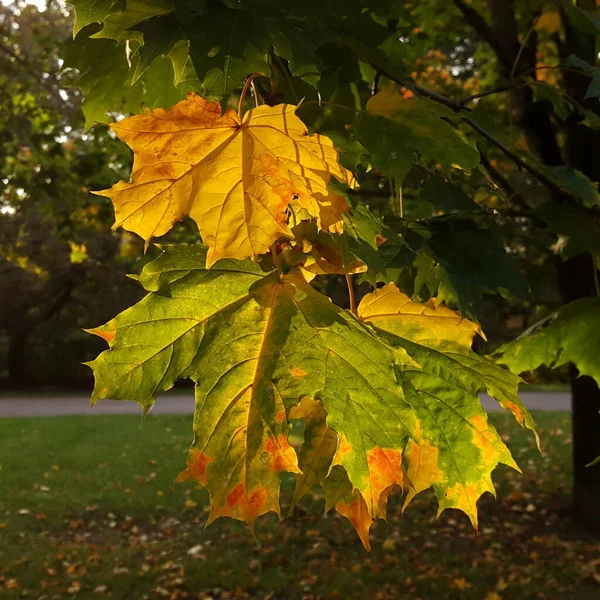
[{"x": 183, "y": 403}]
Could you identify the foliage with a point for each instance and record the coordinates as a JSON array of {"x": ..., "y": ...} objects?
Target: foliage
[
  {"x": 59, "y": 261},
  {"x": 388, "y": 390},
  {"x": 565, "y": 338}
]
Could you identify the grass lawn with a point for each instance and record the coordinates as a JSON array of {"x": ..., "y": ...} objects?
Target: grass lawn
[{"x": 88, "y": 510}]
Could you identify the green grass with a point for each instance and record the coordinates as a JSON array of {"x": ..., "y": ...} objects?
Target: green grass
[{"x": 88, "y": 510}]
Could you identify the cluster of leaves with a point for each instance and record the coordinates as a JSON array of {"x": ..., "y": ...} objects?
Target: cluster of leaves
[
  {"x": 389, "y": 397},
  {"x": 387, "y": 392}
]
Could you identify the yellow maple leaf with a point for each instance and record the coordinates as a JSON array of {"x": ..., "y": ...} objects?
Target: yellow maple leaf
[
  {"x": 430, "y": 323},
  {"x": 234, "y": 177}
]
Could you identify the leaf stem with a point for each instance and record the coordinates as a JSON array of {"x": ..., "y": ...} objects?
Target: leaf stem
[
  {"x": 351, "y": 294},
  {"x": 596, "y": 280},
  {"x": 275, "y": 256},
  {"x": 247, "y": 84},
  {"x": 523, "y": 46}
]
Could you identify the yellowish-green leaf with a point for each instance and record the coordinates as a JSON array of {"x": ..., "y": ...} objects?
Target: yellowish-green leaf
[
  {"x": 456, "y": 449},
  {"x": 256, "y": 343},
  {"x": 571, "y": 336}
]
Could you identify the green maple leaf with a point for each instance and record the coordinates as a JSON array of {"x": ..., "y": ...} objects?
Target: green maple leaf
[
  {"x": 105, "y": 78},
  {"x": 395, "y": 131},
  {"x": 119, "y": 25},
  {"x": 256, "y": 343},
  {"x": 458, "y": 449},
  {"x": 570, "y": 337},
  {"x": 94, "y": 11},
  {"x": 226, "y": 45}
]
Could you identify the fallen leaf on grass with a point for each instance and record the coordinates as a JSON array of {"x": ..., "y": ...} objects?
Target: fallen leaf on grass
[{"x": 460, "y": 583}]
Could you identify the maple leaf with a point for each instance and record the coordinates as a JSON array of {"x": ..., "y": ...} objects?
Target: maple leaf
[
  {"x": 393, "y": 129},
  {"x": 234, "y": 177},
  {"x": 456, "y": 449},
  {"x": 570, "y": 336},
  {"x": 256, "y": 343}
]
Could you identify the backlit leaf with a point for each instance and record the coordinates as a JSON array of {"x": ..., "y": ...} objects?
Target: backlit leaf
[
  {"x": 456, "y": 449},
  {"x": 395, "y": 130},
  {"x": 234, "y": 178},
  {"x": 93, "y": 11},
  {"x": 256, "y": 344},
  {"x": 572, "y": 336},
  {"x": 119, "y": 25}
]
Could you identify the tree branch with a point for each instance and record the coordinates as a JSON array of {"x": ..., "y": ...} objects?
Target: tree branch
[
  {"x": 496, "y": 90},
  {"x": 501, "y": 182},
  {"x": 539, "y": 175},
  {"x": 481, "y": 26},
  {"x": 457, "y": 107}
]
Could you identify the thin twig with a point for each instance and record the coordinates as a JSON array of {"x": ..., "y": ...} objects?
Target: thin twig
[
  {"x": 351, "y": 294},
  {"x": 401, "y": 201},
  {"x": 512, "y": 195},
  {"x": 497, "y": 90},
  {"x": 539, "y": 175},
  {"x": 523, "y": 46},
  {"x": 254, "y": 94},
  {"x": 247, "y": 84},
  {"x": 456, "y": 106},
  {"x": 376, "y": 81}
]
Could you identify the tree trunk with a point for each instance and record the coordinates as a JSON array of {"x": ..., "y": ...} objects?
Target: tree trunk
[
  {"x": 577, "y": 282},
  {"x": 576, "y": 279},
  {"x": 17, "y": 373}
]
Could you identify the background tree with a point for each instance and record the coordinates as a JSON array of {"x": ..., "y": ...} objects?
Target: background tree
[{"x": 59, "y": 261}]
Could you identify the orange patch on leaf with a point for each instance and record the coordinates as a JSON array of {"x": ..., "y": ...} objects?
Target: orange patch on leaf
[
  {"x": 109, "y": 336},
  {"x": 282, "y": 455},
  {"x": 380, "y": 240},
  {"x": 385, "y": 470},
  {"x": 196, "y": 467},
  {"x": 358, "y": 514},
  {"x": 280, "y": 416},
  {"x": 241, "y": 505},
  {"x": 296, "y": 372},
  {"x": 422, "y": 468},
  {"x": 515, "y": 410},
  {"x": 234, "y": 497}
]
